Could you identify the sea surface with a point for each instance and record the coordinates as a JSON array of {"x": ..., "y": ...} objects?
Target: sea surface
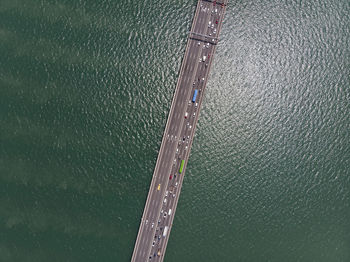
[{"x": 85, "y": 91}]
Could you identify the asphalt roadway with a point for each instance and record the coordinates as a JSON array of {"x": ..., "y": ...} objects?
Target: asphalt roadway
[{"x": 163, "y": 195}]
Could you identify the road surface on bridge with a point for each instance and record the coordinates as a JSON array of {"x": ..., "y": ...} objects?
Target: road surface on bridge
[{"x": 163, "y": 195}]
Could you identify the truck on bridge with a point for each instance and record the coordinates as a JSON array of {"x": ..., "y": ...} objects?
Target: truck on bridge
[
  {"x": 166, "y": 228},
  {"x": 182, "y": 166},
  {"x": 194, "y": 95}
]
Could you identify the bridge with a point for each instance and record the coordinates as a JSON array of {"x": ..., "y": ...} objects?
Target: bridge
[{"x": 158, "y": 215}]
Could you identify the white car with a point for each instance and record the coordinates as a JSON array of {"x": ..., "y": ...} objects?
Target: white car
[{"x": 166, "y": 193}]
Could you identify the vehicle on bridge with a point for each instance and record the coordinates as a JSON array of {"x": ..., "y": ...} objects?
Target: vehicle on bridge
[
  {"x": 194, "y": 95},
  {"x": 165, "y": 231},
  {"x": 182, "y": 166}
]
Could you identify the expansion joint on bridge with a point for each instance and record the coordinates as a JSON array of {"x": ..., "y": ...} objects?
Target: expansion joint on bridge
[
  {"x": 218, "y": 3},
  {"x": 204, "y": 38},
  {"x": 207, "y": 36}
]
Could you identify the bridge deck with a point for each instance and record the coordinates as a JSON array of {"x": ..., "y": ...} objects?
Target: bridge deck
[{"x": 165, "y": 188}]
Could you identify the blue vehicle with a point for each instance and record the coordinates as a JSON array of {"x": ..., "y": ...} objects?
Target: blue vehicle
[{"x": 194, "y": 95}]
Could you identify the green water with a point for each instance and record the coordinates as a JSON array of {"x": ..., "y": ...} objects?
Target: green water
[{"x": 85, "y": 89}]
